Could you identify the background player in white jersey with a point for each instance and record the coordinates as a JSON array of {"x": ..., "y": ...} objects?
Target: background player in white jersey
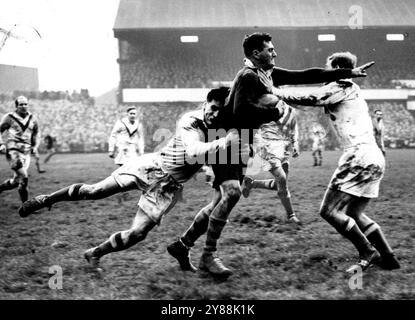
[
  {"x": 19, "y": 137},
  {"x": 317, "y": 147},
  {"x": 127, "y": 138},
  {"x": 360, "y": 169},
  {"x": 274, "y": 143},
  {"x": 379, "y": 129},
  {"x": 159, "y": 175}
]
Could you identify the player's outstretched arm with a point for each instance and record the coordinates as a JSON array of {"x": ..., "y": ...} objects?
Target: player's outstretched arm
[{"x": 282, "y": 76}]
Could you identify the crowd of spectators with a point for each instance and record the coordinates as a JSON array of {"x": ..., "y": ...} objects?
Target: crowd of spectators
[
  {"x": 79, "y": 126},
  {"x": 196, "y": 68}
]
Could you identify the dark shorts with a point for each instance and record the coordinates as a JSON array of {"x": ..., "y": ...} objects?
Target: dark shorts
[{"x": 226, "y": 172}]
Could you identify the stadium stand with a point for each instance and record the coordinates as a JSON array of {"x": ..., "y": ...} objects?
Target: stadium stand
[{"x": 83, "y": 127}]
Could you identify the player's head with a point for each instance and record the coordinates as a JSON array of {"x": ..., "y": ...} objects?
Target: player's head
[
  {"x": 215, "y": 101},
  {"x": 341, "y": 60},
  {"x": 378, "y": 113},
  {"x": 259, "y": 49},
  {"x": 22, "y": 105},
  {"x": 131, "y": 113}
]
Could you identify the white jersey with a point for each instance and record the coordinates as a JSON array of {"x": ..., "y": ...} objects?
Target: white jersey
[
  {"x": 128, "y": 139},
  {"x": 348, "y": 111},
  {"x": 20, "y": 131},
  {"x": 186, "y": 152},
  {"x": 285, "y": 128}
]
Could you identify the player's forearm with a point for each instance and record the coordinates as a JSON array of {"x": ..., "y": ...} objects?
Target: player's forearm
[
  {"x": 307, "y": 76},
  {"x": 35, "y": 141},
  {"x": 294, "y": 97},
  {"x": 199, "y": 149}
]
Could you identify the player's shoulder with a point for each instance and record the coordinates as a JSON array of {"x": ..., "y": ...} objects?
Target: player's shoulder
[
  {"x": 191, "y": 118},
  {"x": 247, "y": 73},
  {"x": 6, "y": 116}
]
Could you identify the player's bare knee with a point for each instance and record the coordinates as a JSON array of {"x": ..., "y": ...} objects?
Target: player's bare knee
[
  {"x": 231, "y": 193},
  {"x": 90, "y": 191},
  {"x": 23, "y": 182},
  {"x": 283, "y": 192},
  {"x": 326, "y": 212}
]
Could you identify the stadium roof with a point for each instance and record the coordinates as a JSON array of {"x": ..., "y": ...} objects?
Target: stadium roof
[{"x": 161, "y": 14}]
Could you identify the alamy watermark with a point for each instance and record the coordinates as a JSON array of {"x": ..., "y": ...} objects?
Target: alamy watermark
[{"x": 56, "y": 280}]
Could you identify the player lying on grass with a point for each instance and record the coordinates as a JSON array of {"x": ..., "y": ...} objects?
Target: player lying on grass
[
  {"x": 159, "y": 175},
  {"x": 360, "y": 169}
]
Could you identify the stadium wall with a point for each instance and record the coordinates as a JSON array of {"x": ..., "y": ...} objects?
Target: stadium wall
[{"x": 18, "y": 78}]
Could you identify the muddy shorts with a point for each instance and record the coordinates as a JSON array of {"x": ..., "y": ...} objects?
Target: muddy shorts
[
  {"x": 18, "y": 160},
  {"x": 160, "y": 190},
  {"x": 273, "y": 153},
  {"x": 359, "y": 172}
]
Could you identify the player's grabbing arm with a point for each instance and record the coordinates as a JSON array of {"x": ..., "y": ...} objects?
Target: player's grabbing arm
[
  {"x": 329, "y": 94},
  {"x": 194, "y": 139}
]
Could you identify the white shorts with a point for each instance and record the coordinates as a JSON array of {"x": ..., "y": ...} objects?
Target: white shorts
[
  {"x": 273, "y": 153},
  {"x": 126, "y": 153},
  {"x": 360, "y": 170},
  {"x": 18, "y": 160},
  {"x": 160, "y": 190}
]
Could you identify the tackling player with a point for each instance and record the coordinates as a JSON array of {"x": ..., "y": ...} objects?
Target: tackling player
[
  {"x": 360, "y": 169},
  {"x": 159, "y": 175},
  {"x": 21, "y": 138}
]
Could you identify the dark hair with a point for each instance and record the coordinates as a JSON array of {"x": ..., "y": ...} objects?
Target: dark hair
[
  {"x": 342, "y": 60},
  {"x": 377, "y": 110},
  {"x": 255, "y": 41},
  {"x": 218, "y": 94}
]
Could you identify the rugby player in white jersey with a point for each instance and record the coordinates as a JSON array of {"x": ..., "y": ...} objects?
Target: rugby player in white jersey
[
  {"x": 21, "y": 138},
  {"x": 159, "y": 175},
  {"x": 126, "y": 140},
  {"x": 360, "y": 169}
]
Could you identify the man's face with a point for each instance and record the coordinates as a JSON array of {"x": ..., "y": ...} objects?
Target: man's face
[
  {"x": 211, "y": 112},
  {"x": 132, "y": 115},
  {"x": 266, "y": 57},
  {"x": 22, "y": 107},
  {"x": 379, "y": 115}
]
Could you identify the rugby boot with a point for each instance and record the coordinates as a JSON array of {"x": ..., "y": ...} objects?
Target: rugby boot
[
  {"x": 181, "y": 253},
  {"x": 293, "y": 219},
  {"x": 247, "y": 186},
  {"x": 33, "y": 205},
  {"x": 213, "y": 265},
  {"x": 92, "y": 260},
  {"x": 365, "y": 261},
  {"x": 388, "y": 262}
]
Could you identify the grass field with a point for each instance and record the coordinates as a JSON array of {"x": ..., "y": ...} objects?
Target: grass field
[{"x": 270, "y": 259}]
